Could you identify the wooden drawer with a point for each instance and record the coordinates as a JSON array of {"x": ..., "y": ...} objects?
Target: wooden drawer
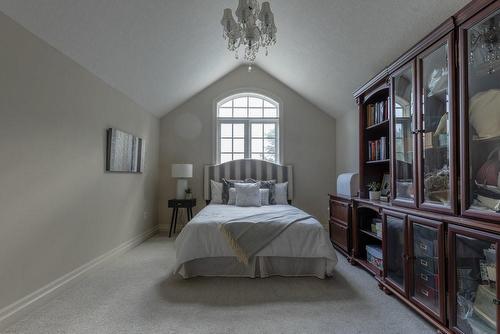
[
  {"x": 426, "y": 279},
  {"x": 340, "y": 211},
  {"x": 426, "y": 295},
  {"x": 339, "y": 234}
]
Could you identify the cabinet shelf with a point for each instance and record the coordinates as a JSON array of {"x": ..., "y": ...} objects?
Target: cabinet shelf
[
  {"x": 369, "y": 267},
  {"x": 371, "y": 234},
  {"x": 373, "y": 162},
  {"x": 378, "y": 125}
]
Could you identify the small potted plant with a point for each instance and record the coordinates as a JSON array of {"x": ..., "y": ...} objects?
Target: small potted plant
[
  {"x": 189, "y": 194},
  {"x": 374, "y": 190}
]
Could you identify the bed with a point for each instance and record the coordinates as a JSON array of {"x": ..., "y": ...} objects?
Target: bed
[{"x": 302, "y": 248}]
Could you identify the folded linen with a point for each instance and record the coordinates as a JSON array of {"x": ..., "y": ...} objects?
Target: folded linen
[{"x": 248, "y": 235}]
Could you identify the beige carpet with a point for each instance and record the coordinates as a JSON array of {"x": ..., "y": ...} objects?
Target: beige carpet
[{"x": 135, "y": 293}]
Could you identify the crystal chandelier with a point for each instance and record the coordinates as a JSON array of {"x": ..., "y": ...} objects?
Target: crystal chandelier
[
  {"x": 255, "y": 28},
  {"x": 485, "y": 45}
]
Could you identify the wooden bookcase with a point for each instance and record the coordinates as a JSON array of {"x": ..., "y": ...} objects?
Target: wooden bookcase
[{"x": 374, "y": 146}]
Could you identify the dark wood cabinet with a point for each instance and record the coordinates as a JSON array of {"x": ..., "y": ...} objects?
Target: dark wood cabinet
[
  {"x": 441, "y": 225},
  {"x": 340, "y": 223},
  {"x": 395, "y": 250},
  {"x": 426, "y": 266},
  {"x": 414, "y": 261},
  {"x": 473, "y": 271}
]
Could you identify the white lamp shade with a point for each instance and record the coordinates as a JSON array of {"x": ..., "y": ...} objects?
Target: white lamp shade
[{"x": 182, "y": 170}]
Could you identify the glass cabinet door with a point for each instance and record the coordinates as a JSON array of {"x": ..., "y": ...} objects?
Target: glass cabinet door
[
  {"x": 435, "y": 170},
  {"x": 480, "y": 45},
  {"x": 474, "y": 271},
  {"x": 427, "y": 265},
  {"x": 394, "y": 239},
  {"x": 403, "y": 134}
]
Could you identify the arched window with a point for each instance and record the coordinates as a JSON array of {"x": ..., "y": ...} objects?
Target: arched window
[{"x": 248, "y": 127}]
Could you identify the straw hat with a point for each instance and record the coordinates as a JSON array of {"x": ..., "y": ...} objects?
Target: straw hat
[{"x": 484, "y": 114}]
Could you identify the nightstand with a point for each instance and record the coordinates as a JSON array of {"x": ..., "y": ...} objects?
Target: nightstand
[{"x": 188, "y": 204}]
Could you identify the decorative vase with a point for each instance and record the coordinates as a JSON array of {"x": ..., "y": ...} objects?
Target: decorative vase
[
  {"x": 189, "y": 195},
  {"x": 374, "y": 195}
]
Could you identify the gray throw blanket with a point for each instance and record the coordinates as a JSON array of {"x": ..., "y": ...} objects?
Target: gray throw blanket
[{"x": 248, "y": 235}]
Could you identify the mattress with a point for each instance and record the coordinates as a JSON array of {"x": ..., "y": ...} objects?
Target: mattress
[{"x": 303, "y": 249}]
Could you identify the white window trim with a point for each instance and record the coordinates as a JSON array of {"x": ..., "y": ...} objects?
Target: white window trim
[{"x": 248, "y": 92}]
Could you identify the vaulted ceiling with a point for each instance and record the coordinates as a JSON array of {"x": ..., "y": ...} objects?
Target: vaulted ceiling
[{"x": 162, "y": 52}]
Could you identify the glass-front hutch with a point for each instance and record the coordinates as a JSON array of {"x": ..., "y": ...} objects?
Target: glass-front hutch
[
  {"x": 480, "y": 111},
  {"x": 403, "y": 139},
  {"x": 435, "y": 131}
]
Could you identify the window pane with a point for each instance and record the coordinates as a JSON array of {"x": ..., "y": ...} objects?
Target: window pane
[
  {"x": 238, "y": 156},
  {"x": 226, "y": 157},
  {"x": 257, "y": 129},
  {"x": 268, "y": 104},
  {"x": 257, "y": 156},
  {"x": 255, "y": 102},
  {"x": 257, "y": 145},
  {"x": 270, "y": 157},
  {"x": 272, "y": 113},
  {"x": 240, "y": 102},
  {"x": 269, "y": 145},
  {"x": 228, "y": 104},
  {"x": 239, "y": 130},
  {"x": 239, "y": 145},
  {"x": 225, "y": 112},
  {"x": 256, "y": 113},
  {"x": 270, "y": 130},
  {"x": 226, "y": 145},
  {"x": 240, "y": 112},
  {"x": 226, "y": 130}
]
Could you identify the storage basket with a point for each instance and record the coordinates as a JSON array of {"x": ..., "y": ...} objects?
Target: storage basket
[{"x": 374, "y": 256}]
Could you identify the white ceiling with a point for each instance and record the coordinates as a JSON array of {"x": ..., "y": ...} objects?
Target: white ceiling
[{"x": 162, "y": 52}]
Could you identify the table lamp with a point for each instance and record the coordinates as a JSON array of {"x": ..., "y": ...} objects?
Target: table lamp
[{"x": 182, "y": 172}]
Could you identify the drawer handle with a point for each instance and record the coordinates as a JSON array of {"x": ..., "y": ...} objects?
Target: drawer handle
[
  {"x": 424, "y": 263},
  {"x": 425, "y": 292},
  {"x": 424, "y": 277}
]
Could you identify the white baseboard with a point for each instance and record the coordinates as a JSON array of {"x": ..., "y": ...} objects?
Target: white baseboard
[
  {"x": 19, "y": 309},
  {"x": 164, "y": 227}
]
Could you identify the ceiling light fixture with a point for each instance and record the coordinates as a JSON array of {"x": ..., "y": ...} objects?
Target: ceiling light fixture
[{"x": 255, "y": 29}]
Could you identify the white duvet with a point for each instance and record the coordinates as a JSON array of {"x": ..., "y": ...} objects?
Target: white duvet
[{"x": 201, "y": 237}]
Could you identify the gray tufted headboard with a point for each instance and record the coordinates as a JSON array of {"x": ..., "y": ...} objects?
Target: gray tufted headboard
[{"x": 247, "y": 168}]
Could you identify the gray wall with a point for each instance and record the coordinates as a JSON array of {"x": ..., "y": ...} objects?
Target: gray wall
[
  {"x": 58, "y": 208},
  {"x": 347, "y": 142},
  {"x": 187, "y": 136}
]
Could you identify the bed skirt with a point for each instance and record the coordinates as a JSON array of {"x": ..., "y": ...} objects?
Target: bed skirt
[{"x": 259, "y": 266}]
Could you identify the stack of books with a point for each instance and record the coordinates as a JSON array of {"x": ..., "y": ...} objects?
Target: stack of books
[
  {"x": 376, "y": 113},
  {"x": 378, "y": 149}
]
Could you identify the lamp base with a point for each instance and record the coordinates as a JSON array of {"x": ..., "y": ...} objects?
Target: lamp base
[{"x": 182, "y": 185}]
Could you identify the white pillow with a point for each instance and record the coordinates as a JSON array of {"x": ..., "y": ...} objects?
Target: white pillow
[
  {"x": 280, "y": 193},
  {"x": 216, "y": 192},
  {"x": 248, "y": 194},
  {"x": 232, "y": 196},
  {"x": 264, "y": 196}
]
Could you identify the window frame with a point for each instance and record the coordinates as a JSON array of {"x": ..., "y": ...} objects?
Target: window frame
[{"x": 248, "y": 121}]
